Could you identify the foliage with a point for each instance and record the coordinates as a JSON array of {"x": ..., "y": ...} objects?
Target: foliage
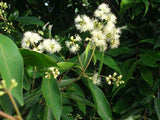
[{"x": 85, "y": 84}]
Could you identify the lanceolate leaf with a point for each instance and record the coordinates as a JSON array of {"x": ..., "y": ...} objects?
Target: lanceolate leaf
[
  {"x": 48, "y": 114},
  {"x": 157, "y": 107},
  {"x": 29, "y": 20},
  {"x": 52, "y": 96},
  {"x": 11, "y": 63},
  {"x": 101, "y": 102},
  {"x": 147, "y": 76},
  {"x": 109, "y": 61},
  {"x": 37, "y": 59}
]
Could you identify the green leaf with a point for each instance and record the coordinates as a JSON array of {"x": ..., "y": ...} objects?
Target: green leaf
[
  {"x": 37, "y": 59},
  {"x": 94, "y": 59},
  {"x": 146, "y": 6},
  {"x": 150, "y": 41},
  {"x": 118, "y": 51},
  {"x": 33, "y": 113},
  {"x": 101, "y": 63},
  {"x": 109, "y": 61},
  {"x": 28, "y": 20},
  {"x": 101, "y": 102},
  {"x": 148, "y": 60},
  {"x": 125, "y": 5},
  {"x": 133, "y": 118},
  {"x": 157, "y": 107},
  {"x": 6, "y": 104},
  {"x": 66, "y": 82},
  {"x": 87, "y": 50},
  {"x": 52, "y": 96},
  {"x": 65, "y": 65},
  {"x": 76, "y": 89},
  {"x": 11, "y": 63},
  {"x": 48, "y": 114},
  {"x": 147, "y": 76},
  {"x": 78, "y": 99}
]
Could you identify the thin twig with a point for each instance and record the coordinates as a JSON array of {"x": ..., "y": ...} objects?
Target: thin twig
[
  {"x": 14, "y": 104},
  {"x": 5, "y": 115}
]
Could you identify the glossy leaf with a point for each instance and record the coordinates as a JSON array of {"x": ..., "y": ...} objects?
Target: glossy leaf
[
  {"x": 52, "y": 96},
  {"x": 125, "y": 5},
  {"x": 78, "y": 99},
  {"x": 66, "y": 82},
  {"x": 101, "y": 102},
  {"x": 157, "y": 107},
  {"x": 148, "y": 60},
  {"x": 76, "y": 89},
  {"x": 147, "y": 76},
  {"x": 28, "y": 20},
  {"x": 109, "y": 61},
  {"x": 48, "y": 114},
  {"x": 11, "y": 63},
  {"x": 65, "y": 65},
  {"x": 34, "y": 112},
  {"x": 37, "y": 59}
]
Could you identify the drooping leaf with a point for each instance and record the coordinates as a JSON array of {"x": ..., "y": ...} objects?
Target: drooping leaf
[
  {"x": 35, "y": 110},
  {"x": 65, "y": 65},
  {"x": 78, "y": 99},
  {"x": 76, "y": 89},
  {"x": 148, "y": 60},
  {"x": 146, "y": 3},
  {"x": 37, "y": 59},
  {"x": 48, "y": 114},
  {"x": 109, "y": 61},
  {"x": 102, "y": 104},
  {"x": 66, "y": 82},
  {"x": 11, "y": 63},
  {"x": 119, "y": 51},
  {"x": 157, "y": 107},
  {"x": 125, "y": 5},
  {"x": 87, "y": 50},
  {"x": 29, "y": 20},
  {"x": 147, "y": 76},
  {"x": 52, "y": 96},
  {"x": 101, "y": 63}
]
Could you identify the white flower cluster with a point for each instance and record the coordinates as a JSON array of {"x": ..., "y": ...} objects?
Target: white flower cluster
[
  {"x": 111, "y": 79},
  {"x": 73, "y": 43},
  {"x": 102, "y": 27},
  {"x": 36, "y": 43},
  {"x": 53, "y": 71},
  {"x": 96, "y": 79}
]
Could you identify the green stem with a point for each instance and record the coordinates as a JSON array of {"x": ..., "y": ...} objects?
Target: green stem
[
  {"x": 35, "y": 69},
  {"x": 85, "y": 67}
]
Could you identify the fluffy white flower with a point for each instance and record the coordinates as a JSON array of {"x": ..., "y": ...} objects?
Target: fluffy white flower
[
  {"x": 102, "y": 11},
  {"x": 98, "y": 34},
  {"x": 78, "y": 38},
  {"x": 51, "y": 45},
  {"x": 74, "y": 48},
  {"x": 30, "y": 39},
  {"x": 95, "y": 79},
  {"x": 114, "y": 43},
  {"x": 84, "y": 23},
  {"x": 111, "y": 18}
]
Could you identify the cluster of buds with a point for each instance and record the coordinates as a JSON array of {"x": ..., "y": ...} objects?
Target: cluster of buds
[
  {"x": 52, "y": 70},
  {"x": 114, "y": 79},
  {"x": 78, "y": 117},
  {"x": 96, "y": 79},
  {"x": 73, "y": 43},
  {"x": 3, "y": 86},
  {"x": 7, "y": 28},
  {"x": 3, "y": 6}
]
